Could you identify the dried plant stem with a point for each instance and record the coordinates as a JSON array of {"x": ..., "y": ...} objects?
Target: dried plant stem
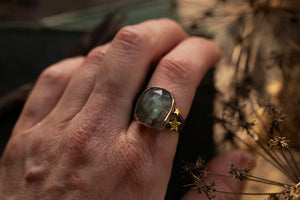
[
  {"x": 280, "y": 160},
  {"x": 273, "y": 157},
  {"x": 251, "y": 178},
  {"x": 289, "y": 165},
  {"x": 284, "y": 162},
  {"x": 265, "y": 157},
  {"x": 217, "y": 174},
  {"x": 294, "y": 162},
  {"x": 259, "y": 153},
  {"x": 282, "y": 165},
  {"x": 262, "y": 180},
  {"x": 277, "y": 163},
  {"x": 237, "y": 64},
  {"x": 248, "y": 193}
]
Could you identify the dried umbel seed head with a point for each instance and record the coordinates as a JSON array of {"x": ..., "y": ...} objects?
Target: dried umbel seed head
[
  {"x": 199, "y": 175},
  {"x": 250, "y": 31},
  {"x": 240, "y": 174},
  {"x": 292, "y": 192},
  {"x": 278, "y": 143},
  {"x": 197, "y": 169},
  {"x": 208, "y": 188},
  {"x": 273, "y": 197},
  {"x": 276, "y": 116}
]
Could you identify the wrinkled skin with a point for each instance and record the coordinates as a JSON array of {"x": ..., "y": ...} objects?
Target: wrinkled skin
[{"x": 76, "y": 138}]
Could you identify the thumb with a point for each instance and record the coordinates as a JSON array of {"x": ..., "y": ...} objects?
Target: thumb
[{"x": 220, "y": 165}]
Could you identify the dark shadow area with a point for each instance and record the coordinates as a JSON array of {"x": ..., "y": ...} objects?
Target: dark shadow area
[{"x": 24, "y": 54}]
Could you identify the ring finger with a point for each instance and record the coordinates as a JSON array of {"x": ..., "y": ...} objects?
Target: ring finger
[{"x": 180, "y": 72}]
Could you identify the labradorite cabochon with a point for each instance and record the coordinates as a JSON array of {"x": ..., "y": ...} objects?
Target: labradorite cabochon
[{"x": 154, "y": 107}]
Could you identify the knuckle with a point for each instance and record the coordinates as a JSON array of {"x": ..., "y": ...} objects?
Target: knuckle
[
  {"x": 173, "y": 24},
  {"x": 179, "y": 68},
  {"x": 71, "y": 61},
  {"x": 133, "y": 37},
  {"x": 53, "y": 75},
  {"x": 96, "y": 55}
]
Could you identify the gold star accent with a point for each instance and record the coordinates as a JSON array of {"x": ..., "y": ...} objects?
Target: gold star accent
[
  {"x": 176, "y": 112},
  {"x": 174, "y": 125}
]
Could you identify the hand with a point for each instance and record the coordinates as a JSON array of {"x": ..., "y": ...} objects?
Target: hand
[{"x": 76, "y": 139}]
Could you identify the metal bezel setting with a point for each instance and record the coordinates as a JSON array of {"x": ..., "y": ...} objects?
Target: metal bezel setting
[{"x": 166, "y": 119}]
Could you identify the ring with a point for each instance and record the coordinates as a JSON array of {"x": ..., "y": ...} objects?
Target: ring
[{"x": 155, "y": 108}]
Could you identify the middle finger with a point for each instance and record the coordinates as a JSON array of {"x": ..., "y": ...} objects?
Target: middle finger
[{"x": 125, "y": 67}]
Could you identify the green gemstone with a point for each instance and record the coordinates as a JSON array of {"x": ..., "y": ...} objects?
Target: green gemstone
[{"x": 154, "y": 107}]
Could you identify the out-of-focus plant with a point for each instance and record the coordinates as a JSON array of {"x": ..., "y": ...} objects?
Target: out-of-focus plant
[{"x": 257, "y": 84}]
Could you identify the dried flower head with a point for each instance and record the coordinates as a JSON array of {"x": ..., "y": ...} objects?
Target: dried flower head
[
  {"x": 276, "y": 116},
  {"x": 292, "y": 192},
  {"x": 261, "y": 43},
  {"x": 197, "y": 169},
  {"x": 278, "y": 143},
  {"x": 206, "y": 187},
  {"x": 273, "y": 197},
  {"x": 199, "y": 175},
  {"x": 240, "y": 174}
]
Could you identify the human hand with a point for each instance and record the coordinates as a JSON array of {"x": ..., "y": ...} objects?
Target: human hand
[{"x": 76, "y": 139}]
